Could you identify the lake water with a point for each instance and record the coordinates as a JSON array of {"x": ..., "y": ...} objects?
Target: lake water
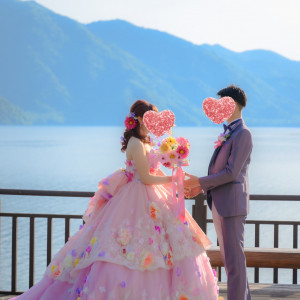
[{"x": 76, "y": 158}]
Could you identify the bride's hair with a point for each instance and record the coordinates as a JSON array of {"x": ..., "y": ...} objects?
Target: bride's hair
[{"x": 139, "y": 107}]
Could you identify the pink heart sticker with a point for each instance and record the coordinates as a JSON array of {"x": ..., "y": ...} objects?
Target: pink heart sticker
[
  {"x": 220, "y": 110},
  {"x": 159, "y": 123}
]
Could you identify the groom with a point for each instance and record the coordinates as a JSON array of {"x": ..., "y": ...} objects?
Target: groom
[{"x": 227, "y": 189}]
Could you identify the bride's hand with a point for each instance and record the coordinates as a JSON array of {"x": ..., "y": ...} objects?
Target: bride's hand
[
  {"x": 187, "y": 193},
  {"x": 195, "y": 191},
  {"x": 192, "y": 182}
]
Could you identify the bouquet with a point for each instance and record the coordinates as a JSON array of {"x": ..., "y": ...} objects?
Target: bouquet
[{"x": 173, "y": 152}]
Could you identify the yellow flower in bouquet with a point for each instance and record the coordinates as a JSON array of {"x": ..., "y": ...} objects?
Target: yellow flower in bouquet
[{"x": 171, "y": 141}]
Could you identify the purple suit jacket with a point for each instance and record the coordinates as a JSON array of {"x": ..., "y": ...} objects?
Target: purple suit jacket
[{"x": 227, "y": 183}]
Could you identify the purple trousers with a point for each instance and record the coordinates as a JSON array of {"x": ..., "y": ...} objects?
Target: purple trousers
[{"x": 230, "y": 233}]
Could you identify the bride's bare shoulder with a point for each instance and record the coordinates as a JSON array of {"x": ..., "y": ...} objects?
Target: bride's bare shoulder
[{"x": 134, "y": 143}]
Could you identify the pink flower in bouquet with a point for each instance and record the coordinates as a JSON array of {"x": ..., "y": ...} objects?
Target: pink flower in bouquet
[
  {"x": 183, "y": 151},
  {"x": 167, "y": 164},
  {"x": 173, "y": 152},
  {"x": 130, "y": 123},
  {"x": 173, "y": 156},
  {"x": 164, "y": 158},
  {"x": 183, "y": 142}
]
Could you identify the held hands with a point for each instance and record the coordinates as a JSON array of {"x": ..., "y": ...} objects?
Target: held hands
[
  {"x": 191, "y": 186},
  {"x": 191, "y": 182},
  {"x": 192, "y": 192}
]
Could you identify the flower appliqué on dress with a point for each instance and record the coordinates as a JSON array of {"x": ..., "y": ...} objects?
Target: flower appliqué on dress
[
  {"x": 55, "y": 270},
  {"x": 130, "y": 256},
  {"x": 146, "y": 259},
  {"x": 154, "y": 211},
  {"x": 124, "y": 236}
]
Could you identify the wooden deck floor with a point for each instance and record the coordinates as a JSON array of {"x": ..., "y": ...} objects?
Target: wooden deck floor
[
  {"x": 258, "y": 292},
  {"x": 269, "y": 291}
]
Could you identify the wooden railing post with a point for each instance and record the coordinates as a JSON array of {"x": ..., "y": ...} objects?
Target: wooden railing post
[
  {"x": 14, "y": 246},
  {"x": 49, "y": 240},
  {"x": 256, "y": 242},
  {"x": 31, "y": 251},
  {"x": 199, "y": 211},
  {"x": 276, "y": 243},
  {"x": 295, "y": 246}
]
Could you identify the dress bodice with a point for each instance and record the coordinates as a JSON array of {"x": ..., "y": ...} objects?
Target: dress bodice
[{"x": 131, "y": 171}]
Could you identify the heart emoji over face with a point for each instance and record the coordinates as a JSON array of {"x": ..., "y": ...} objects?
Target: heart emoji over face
[
  {"x": 220, "y": 110},
  {"x": 159, "y": 123}
]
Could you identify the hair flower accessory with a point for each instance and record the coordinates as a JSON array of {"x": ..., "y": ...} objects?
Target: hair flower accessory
[{"x": 130, "y": 121}]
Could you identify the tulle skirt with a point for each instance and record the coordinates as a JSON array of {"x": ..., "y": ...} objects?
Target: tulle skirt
[{"x": 132, "y": 246}]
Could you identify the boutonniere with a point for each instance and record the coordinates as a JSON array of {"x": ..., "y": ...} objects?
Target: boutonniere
[{"x": 222, "y": 138}]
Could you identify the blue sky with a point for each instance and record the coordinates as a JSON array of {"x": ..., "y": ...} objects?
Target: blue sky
[{"x": 238, "y": 25}]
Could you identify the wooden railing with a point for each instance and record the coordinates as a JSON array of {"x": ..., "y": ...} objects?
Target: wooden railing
[{"x": 199, "y": 213}]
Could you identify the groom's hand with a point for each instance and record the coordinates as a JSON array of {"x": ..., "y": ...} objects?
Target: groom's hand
[{"x": 192, "y": 182}]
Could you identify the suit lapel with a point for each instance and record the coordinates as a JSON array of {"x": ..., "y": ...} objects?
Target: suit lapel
[
  {"x": 217, "y": 150},
  {"x": 214, "y": 156}
]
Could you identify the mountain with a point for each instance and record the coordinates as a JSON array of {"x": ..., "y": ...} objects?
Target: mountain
[{"x": 55, "y": 70}]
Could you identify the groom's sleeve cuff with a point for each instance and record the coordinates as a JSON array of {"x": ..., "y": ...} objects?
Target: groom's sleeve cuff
[{"x": 203, "y": 184}]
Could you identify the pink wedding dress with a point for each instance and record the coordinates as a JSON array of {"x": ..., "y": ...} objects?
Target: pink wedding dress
[{"x": 132, "y": 246}]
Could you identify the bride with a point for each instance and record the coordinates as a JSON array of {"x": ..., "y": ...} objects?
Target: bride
[{"x": 132, "y": 245}]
